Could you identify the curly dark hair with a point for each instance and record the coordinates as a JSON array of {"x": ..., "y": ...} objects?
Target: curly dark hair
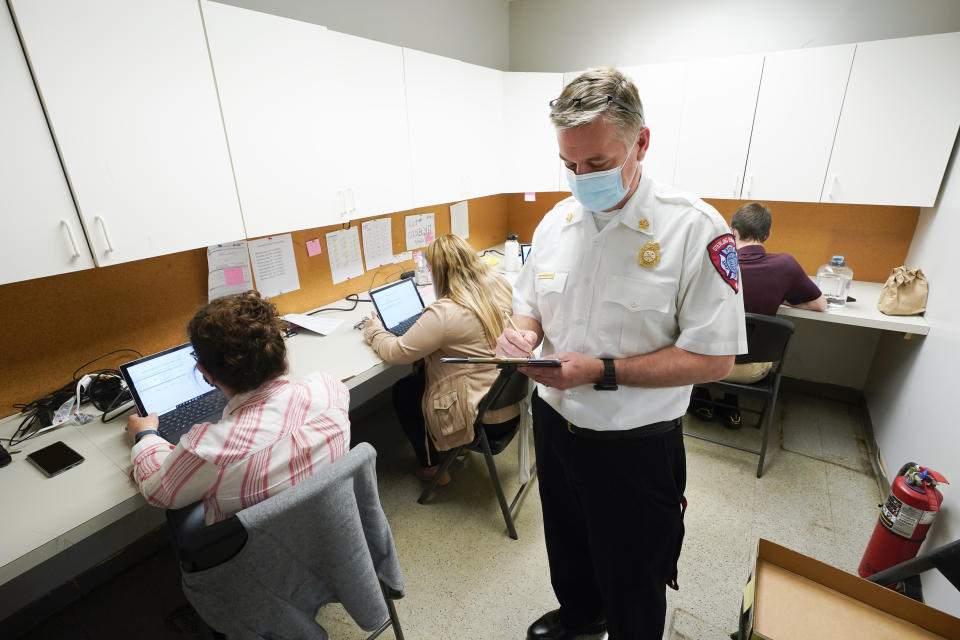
[{"x": 239, "y": 340}]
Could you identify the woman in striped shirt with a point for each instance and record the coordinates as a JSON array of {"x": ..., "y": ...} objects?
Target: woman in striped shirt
[{"x": 273, "y": 433}]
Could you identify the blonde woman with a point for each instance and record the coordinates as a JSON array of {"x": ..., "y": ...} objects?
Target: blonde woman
[{"x": 437, "y": 405}]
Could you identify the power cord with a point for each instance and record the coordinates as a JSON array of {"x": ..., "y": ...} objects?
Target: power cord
[
  {"x": 355, "y": 297},
  {"x": 104, "y": 388}
]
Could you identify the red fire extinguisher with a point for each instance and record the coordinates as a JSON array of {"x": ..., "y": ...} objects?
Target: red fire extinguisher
[{"x": 905, "y": 518}]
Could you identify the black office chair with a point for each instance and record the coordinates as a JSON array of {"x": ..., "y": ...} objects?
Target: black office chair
[
  {"x": 768, "y": 338},
  {"x": 199, "y": 547},
  {"x": 945, "y": 559},
  {"x": 509, "y": 388}
]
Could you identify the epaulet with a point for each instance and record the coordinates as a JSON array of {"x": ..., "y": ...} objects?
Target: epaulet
[{"x": 671, "y": 195}]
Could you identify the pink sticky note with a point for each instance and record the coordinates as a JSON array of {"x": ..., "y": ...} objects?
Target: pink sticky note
[
  {"x": 233, "y": 275},
  {"x": 428, "y": 237},
  {"x": 313, "y": 247},
  {"x": 529, "y": 196}
]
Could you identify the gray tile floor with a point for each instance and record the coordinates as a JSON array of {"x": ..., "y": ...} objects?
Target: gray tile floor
[{"x": 467, "y": 580}]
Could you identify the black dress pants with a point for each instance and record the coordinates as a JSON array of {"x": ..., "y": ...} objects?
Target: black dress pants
[
  {"x": 407, "y": 395},
  {"x": 612, "y": 521}
]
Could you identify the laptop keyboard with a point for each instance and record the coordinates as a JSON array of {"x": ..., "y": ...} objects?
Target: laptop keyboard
[
  {"x": 186, "y": 415},
  {"x": 404, "y": 326}
]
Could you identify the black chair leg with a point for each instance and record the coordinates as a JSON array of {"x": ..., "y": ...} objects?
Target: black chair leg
[
  {"x": 446, "y": 464},
  {"x": 767, "y": 421},
  {"x": 394, "y": 619},
  {"x": 495, "y": 479}
]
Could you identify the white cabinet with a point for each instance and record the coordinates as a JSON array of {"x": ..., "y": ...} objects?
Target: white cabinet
[
  {"x": 483, "y": 130},
  {"x": 41, "y": 235},
  {"x": 369, "y": 143},
  {"x": 435, "y": 90},
  {"x": 132, "y": 105},
  {"x": 718, "y": 104},
  {"x": 797, "y": 111},
  {"x": 530, "y": 142},
  {"x": 270, "y": 73},
  {"x": 898, "y": 124},
  {"x": 316, "y": 120},
  {"x": 660, "y": 87}
]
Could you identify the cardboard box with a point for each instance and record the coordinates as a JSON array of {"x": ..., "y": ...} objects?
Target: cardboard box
[{"x": 791, "y": 596}]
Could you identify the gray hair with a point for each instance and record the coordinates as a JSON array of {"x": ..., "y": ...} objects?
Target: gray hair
[{"x": 585, "y": 99}]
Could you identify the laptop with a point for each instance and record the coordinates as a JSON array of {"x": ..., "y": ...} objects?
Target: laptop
[
  {"x": 399, "y": 305},
  {"x": 169, "y": 385},
  {"x": 524, "y": 252}
]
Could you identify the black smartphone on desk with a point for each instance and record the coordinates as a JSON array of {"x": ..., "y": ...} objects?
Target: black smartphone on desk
[{"x": 55, "y": 459}]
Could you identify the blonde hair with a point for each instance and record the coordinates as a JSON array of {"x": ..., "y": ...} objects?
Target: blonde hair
[
  {"x": 584, "y": 100},
  {"x": 460, "y": 275}
]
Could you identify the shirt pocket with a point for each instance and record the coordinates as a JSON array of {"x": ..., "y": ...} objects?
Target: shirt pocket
[
  {"x": 636, "y": 314},
  {"x": 549, "y": 287}
]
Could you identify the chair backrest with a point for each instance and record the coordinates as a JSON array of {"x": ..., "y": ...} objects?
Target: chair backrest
[
  {"x": 509, "y": 388},
  {"x": 327, "y": 535},
  {"x": 767, "y": 338}
]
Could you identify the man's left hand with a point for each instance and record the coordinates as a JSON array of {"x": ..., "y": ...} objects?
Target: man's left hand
[{"x": 577, "y": 369}]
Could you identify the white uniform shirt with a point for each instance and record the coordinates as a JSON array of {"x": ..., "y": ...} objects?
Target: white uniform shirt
[{"x": 592, "y": 295}]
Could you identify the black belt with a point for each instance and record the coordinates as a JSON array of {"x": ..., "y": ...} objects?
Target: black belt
[{"x": 646, "y": 431}]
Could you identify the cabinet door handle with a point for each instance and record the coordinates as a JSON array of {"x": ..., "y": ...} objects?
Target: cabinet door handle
[
  {"x": 343, "y": 203},
  {"x": 73, "y": 243},
  {"x": 736, "y": 186},
  {"x": 833, "y": 184},
  {"x": 749, "y": 185},
  {"x": 106, "y": 234},
  {"x": 353, "y": 201}
]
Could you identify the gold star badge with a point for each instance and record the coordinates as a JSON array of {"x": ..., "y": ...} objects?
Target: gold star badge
[
  {"x": 643, "y": 224},
  {"x": 649, "y": 255},
  {"x": 569, "y": 217}
]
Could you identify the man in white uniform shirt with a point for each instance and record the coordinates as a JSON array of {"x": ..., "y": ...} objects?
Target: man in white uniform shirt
[{"x": 634, "y": 286}]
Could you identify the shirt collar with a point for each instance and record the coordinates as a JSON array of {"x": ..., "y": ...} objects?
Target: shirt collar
[
  {"x": 636, "y": 214},
  {"x": 256, "y": 396},
  {"x": 638, "y": 211},
  {"x": 752, "y": 249}
]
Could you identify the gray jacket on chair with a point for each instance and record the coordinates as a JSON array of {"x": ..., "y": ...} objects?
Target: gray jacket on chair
[{"x": 323, "y": 540}]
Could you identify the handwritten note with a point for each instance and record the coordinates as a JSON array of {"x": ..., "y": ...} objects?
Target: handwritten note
[
  {"x": 420, "y": 230},
  {"x": 323, "y": 326},
  {"x": 228, "y": 269},
  {"x": 377, "y": 242},
  {"x": 343, "y": 250},
  {"x": 460, "y": 219},
  {"x": 274, "y": 265}
]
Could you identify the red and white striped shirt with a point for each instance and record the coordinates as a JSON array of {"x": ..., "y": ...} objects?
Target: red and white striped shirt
[{"x": 268, "y": 440}]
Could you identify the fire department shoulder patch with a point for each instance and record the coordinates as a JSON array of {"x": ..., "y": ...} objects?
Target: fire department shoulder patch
[{"x": 723, "y": 255}]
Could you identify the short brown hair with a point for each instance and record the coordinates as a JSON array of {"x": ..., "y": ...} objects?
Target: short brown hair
[
  {"x": 239, "y": 340},
  {"x": 752, "y": 221}
]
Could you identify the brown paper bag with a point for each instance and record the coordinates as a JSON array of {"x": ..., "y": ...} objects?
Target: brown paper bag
[{"x": 904, "y": 293}]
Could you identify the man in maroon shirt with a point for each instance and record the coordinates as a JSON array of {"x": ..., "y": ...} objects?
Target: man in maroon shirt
[{"x": 768, "y": 280}]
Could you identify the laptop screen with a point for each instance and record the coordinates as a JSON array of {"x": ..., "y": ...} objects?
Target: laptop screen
[
  {"x": 396, "y": 302},
  {"x": 165, "y": 380}
]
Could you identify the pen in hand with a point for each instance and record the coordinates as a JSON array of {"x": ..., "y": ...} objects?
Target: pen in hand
[{"x": 515, "y": 327}]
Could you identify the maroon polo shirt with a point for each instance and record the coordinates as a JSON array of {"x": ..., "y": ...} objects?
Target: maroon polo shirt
[{"x": 771, "y": 278}]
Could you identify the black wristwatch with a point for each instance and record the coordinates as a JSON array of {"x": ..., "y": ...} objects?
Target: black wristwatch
[{"x": 609, "y": 381}]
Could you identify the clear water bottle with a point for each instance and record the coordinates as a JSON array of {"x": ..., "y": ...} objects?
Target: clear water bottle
[
  {"x": 834, "y": 280},
  {"x": 511, "y": 253},
  {"x": 421, "y": 269}
]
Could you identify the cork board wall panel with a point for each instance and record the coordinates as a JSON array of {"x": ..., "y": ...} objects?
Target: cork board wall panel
[
  {"x": 53, "y": 325},
  {"x": 873, "y": 239}
]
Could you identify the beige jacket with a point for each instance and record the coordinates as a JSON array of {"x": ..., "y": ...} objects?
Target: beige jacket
[{"x": 453, "y": 391}]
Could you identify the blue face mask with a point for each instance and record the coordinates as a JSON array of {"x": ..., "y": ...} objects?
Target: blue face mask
[{"x": 600, "y": 190}]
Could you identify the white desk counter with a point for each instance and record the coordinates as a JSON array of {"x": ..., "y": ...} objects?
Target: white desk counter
[
  {"x": 863, "y": 312},
  {"x": 44, "y": 516}
]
